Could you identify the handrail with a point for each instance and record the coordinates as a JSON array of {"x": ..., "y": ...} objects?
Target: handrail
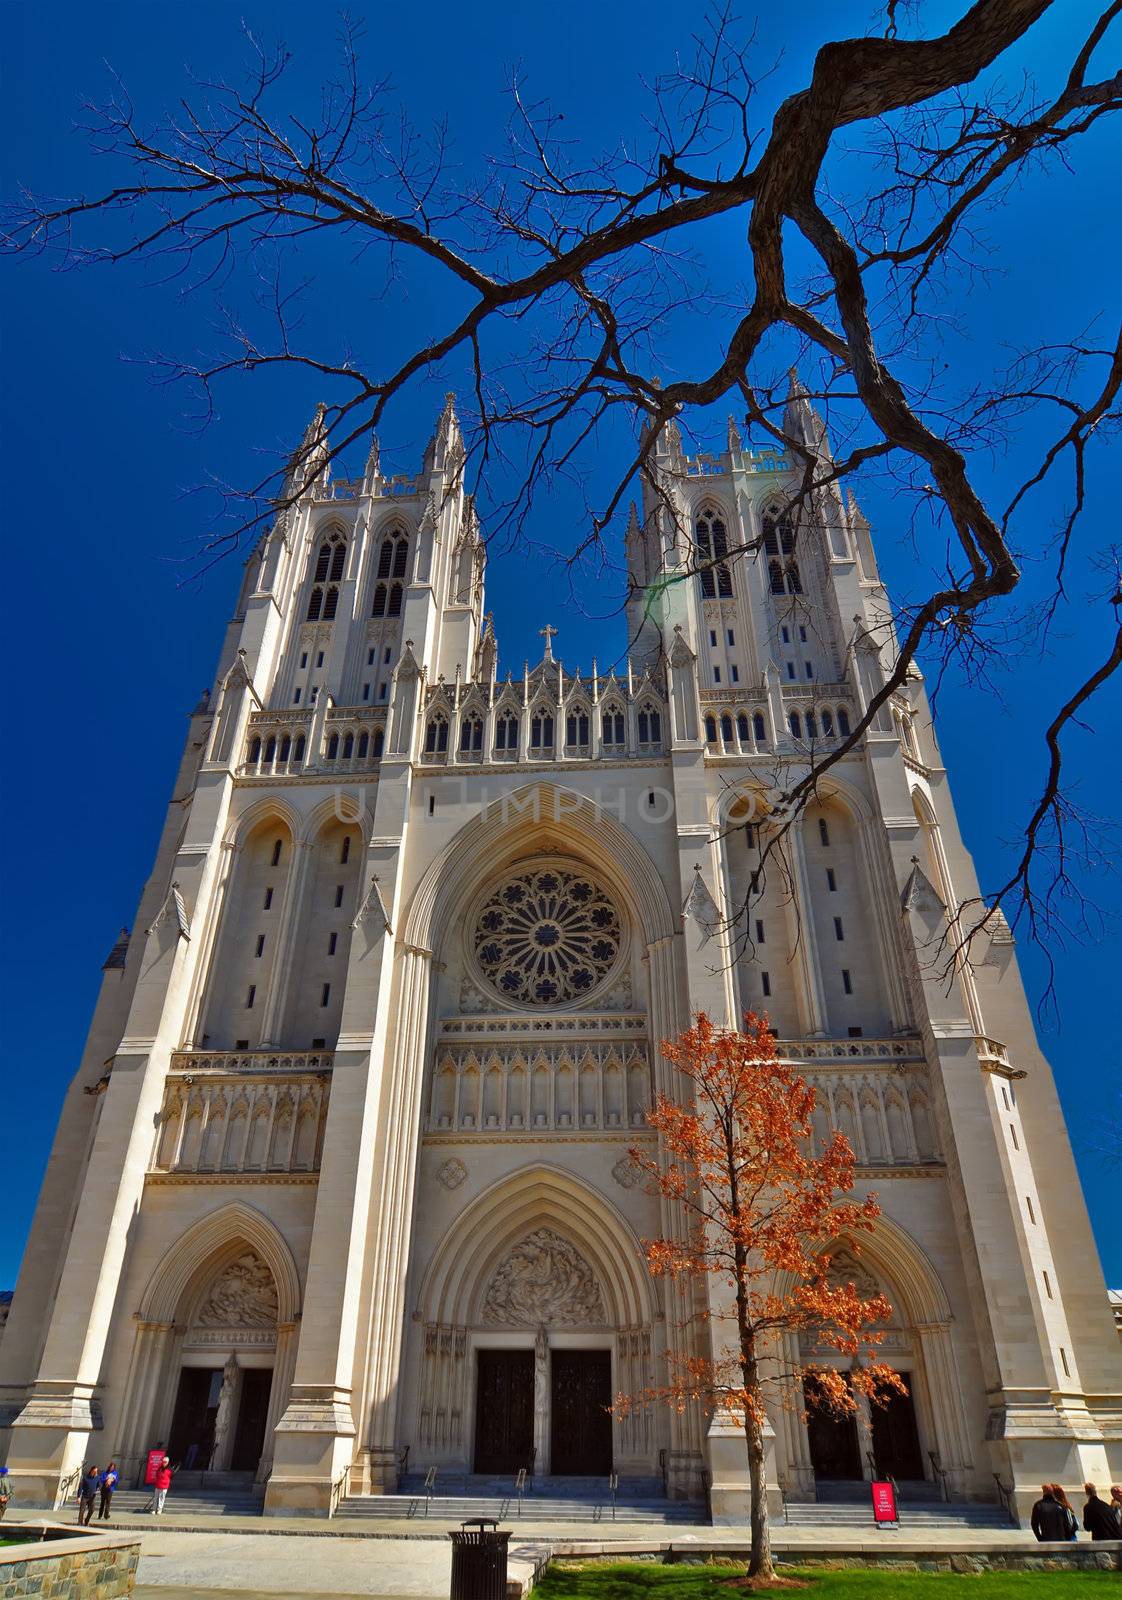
[
  {"x": 520, "y": 1487},
  {"x": 613, "y": 1489},
  {"x": 338, "y": 1490},
  {"x": 664, "y": 1471},
  {"x": 67, "y": 1487},
  {"x": 782, "y": 1483},
  {"x": 1005, "y": 1495},
  {"x": 430, "y": 1484},
  {"x": 940, "y": 1472},
  {"x": 403, "y": 1462}
]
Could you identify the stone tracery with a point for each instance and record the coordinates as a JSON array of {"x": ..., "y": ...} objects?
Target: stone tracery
[{"x": 547, "y": 936}]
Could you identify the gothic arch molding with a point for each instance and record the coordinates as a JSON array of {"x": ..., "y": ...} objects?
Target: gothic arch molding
[
  {"x": 273, "y": 808},
  {"x": 199, "y": 1252},
  {"x": 482, "y": 1236},
  {"x": 892, "y": 1253},
  {"x": 542, "y": 815}
]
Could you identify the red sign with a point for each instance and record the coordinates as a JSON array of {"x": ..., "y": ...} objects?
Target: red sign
[
  {"x": 154, "y": 1463},
  {"x": 884, "y": 1502}
]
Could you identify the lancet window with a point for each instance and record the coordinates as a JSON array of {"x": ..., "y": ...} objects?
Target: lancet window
[
  {"x": 331, "y": 557},
  {"x": 712, "y": 545}
]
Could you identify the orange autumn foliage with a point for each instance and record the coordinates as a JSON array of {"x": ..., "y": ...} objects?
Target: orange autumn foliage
[{"x": 762, "y": 1211}]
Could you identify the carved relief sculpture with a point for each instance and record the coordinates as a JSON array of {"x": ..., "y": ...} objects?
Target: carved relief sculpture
[
  {"x": 543, "y": 1281},
  {"x": 242, "y": 1296}
]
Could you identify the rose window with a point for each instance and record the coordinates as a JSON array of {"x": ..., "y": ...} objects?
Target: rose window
[{"x": 547, "y": 936}]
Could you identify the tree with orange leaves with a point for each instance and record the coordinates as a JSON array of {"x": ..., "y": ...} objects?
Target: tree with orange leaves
[{"x": 762, "y": 1211}]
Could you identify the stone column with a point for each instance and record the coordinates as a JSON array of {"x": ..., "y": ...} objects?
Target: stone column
[
  {"x": 147, "y": 1370},
  {"x": 396, "y": 1181},
  {"x": 284, "y": 1363},
  {"x": 952, "y": 1436}
]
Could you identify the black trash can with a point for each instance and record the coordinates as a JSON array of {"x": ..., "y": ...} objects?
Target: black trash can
[{"x": 479, "y": 1561}]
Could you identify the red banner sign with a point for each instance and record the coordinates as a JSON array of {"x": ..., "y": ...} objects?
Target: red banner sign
[
  {"x": 884, "y": 1502},
  {"x": 154, "y": 1463}
]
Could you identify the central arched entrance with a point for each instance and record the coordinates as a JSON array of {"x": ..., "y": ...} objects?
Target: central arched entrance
[{"x": 537, "y": 1311}]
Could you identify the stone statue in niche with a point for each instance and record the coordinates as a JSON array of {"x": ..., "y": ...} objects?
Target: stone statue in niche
[
  {"x": 544, "y": 1280},
  {"x": 242, "y": 1296},
  {"x": 223, "y": 1416}
]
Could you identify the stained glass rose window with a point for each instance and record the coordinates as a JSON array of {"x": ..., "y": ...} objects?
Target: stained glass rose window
[{"x": 547, "y": 936}]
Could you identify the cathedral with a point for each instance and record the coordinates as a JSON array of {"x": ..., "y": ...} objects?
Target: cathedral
[{"x": 340, "y": 1190}]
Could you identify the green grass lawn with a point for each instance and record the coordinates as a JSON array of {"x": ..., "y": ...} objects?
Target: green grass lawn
[{"x": 635, "y": 1580}]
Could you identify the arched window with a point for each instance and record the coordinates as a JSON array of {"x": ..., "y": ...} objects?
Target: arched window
[
  {"x": 779, "y": 536},
  {"x": 436, "y": 736},
  {"x": 775, "y": 577},
  {"x": 255, "y": 751},
  {"x": 795, "y": 725},
  {"x": 333, "y": 747},
  {"x": 379, "y": 742},
  {"x": 794, "y": 582},
  {"x": 726, "y": 728},
  {"x": 270, "y": 749},
  {"x": 348, "y": 746},
  {"x": 614, "y": 728},
  {"x": 285, "y": 747},
  {"x": 363, "y": 746},
  {"x": 576, "y": 729},
  {"x": 331, "y": 558},
  {"x": 298, "y": 753},
  {"x": 471, "y": 734},
  {"x": 711, "y": 729},
  {"x": 711, "y": 542},
  {"x": 742, "y": 730},
  {"x": 811, "y": 726},
  {"x": 394, "y": 607},
  {"x": 394, "y": 554},
  {"x": 650, "y": 726},
  {"x": 381, "y": 593},
  {"x": 759, "y": 727},
  {"x": 823, "y": 831},
  {"x": 541, "y": 731},
  {"x": 827, "y": 725},
  {"x": 843, "y": 722},
  {"x": 506, "y": 733}
]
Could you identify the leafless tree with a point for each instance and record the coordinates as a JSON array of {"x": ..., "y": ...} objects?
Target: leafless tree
[{"x": 869, "y": 203}]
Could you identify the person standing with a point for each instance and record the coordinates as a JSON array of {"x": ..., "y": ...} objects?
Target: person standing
[
  {"x": 1048, "y": 1521},
  {"x": 1098, "y": 1517},
  {"x": 87, "y": 1494},
  {"x": 1116, "y": 1504},
  {"x": 1069, "y": 1513},
  {"x": 161, "y": 1483},
  {"x": 107, "y": 1483},
  {"x": 5, "y": 1491}
]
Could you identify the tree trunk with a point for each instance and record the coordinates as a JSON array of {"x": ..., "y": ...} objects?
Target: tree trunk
[{"x": 759, "y": 1562}]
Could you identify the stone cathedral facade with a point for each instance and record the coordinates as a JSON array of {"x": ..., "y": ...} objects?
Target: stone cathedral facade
[{"x": 343, "y": 1171}]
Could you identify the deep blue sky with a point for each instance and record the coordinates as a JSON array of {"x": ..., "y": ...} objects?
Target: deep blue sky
[{"x": 109, "y": 646}]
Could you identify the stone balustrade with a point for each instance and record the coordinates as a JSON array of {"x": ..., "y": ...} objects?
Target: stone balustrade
[
  {"x": 242, "y": 1113},
  {"x": 545, "y": 1087}
]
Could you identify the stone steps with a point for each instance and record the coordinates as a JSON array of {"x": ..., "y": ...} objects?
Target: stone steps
[
  {"x": 914, "y": 1515},
  {"x": 191, "y": 1501}
]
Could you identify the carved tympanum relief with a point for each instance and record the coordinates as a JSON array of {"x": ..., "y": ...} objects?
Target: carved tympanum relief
[
  {"x": 242, "y": 1296},
  {"x": 544, "y": 1280}
]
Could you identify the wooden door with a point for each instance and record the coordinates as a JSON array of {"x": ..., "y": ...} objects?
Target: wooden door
[
  {"x": 196, "y": 1404},
  {"x": 896, "y": 1438},
  {"x": 504, "y": 1410},
  {"x": 580, "y": 1423},
  {"x": 834, "y": 1448}
]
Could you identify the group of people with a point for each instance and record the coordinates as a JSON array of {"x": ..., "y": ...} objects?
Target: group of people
[
  {"x": 1054, "y": 1520},
  {"x": 93, "y": 1483}
]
